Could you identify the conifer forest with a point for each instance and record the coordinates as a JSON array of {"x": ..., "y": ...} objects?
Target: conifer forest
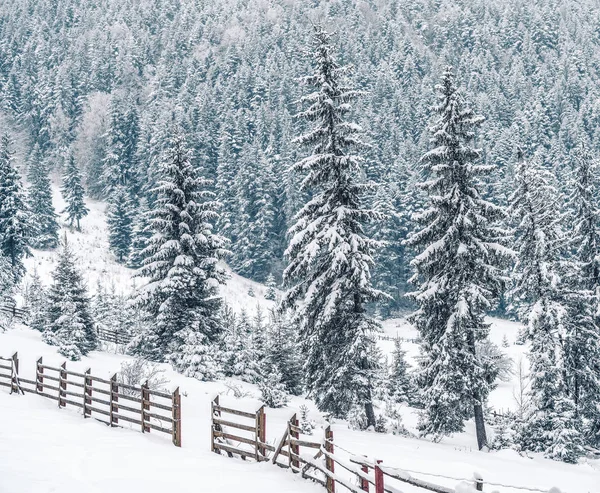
[{"x": 434, "y": 161}]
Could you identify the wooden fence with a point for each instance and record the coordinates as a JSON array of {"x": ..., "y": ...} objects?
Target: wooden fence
[
  {"x": 114, "y": 336},
  {"x": 107, "y": 400},
  {"x": 254, "y": 427},
  {"x": 365, "y": 474},
  {"x": 13, "y": 311}
]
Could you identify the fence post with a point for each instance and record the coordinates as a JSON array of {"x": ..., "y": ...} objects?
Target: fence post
[
  {"x": 329, "y": 464},
  {"x": 145, "y": 406},
  {"x": 39, "y": 376},
  {"x": 87, "y": 393},
  {"x": 478, "y": 478},
  {"x": 114, "y": 399},
  {"x": 14, "y": 384},
  {"x": 213, "y": 413},
  {"x": 62, "y": 384},
  {"x": 176, "y": 418},
  {"x": 364, "y": 484},
  {"x": 260, "y": 436},
  {"x": 378, "y": 478},
  {"x": 294, "y": 449},
  {"x": 263, "y": 430}
]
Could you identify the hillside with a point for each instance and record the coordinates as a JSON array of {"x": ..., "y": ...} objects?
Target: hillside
[
  {"x": 45, "y": 449},
  {"x": 97, "y": 263}
]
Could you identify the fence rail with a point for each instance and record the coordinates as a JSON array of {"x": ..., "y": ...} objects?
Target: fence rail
[
  {"x": 13, "y": 311},
  {"x": 365, "y": 474},
  {"x": 107, "y": 400},
  {"x": 114, "y": 336}
]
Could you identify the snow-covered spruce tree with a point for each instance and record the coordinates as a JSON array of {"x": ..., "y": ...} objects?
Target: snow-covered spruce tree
[
  {"x": 271, "y": 294},
  {"x": 141, "y": 234},
  {"x": 181, "y": 265},
  {"x": 458, "y": 272},
  {"x": 272, "y": 388},
  {"x": 119, "y": 218},
  {"x": 582, "y": 340},
  {"x": 330, "y": 257},
  {"x": 15, "y": 219},
  {"x": 400, "y": 385},
  {"x": 539, "y": 293},
  {"x": 282, "y": 350},
  {"x": 70, "y": 324},
  {"x": 39, "y": 198},
  {"x": 73, "y": 192},
  {"x": 37, "y": 303}
]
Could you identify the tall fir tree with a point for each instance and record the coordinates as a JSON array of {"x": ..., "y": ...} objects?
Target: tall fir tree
[
  {"x": 44, "y": 224},
  {"x": 400, "y": 384},
  {"x": 73, "y": 194},
  {"x": 458, "y": 272},
  {"x": 330, "y": 257},
  {"x": 119, "y": 218},
  {"x": 36, "y": 302},
  {"x": 181, "y": 265},
  {"x": 141, "y": 234},
  {"x": 539, "y": 292},
  {"x": 582, "y": 339},
  {"x": 70, "y": 324},
  {"x": 15, "y": 218}
]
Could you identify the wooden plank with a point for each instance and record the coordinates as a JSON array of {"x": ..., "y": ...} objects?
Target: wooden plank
[
  {"x": 73, "y": 403},
  {"x": 160, "y": 406},
  {"x": 229, "y": 436},
  {"x": 47, "y": 377},
  {"x": 126, "y": 418},
  {"x": 6, "y": 367},
  {"x": 159, "y": 416},
  {"x": 51, "y": 387},
  {"x": 176, "y": 417},
  {"x": 403, "y": 476},
  {"x": 49, "y": 396},
  {"x": 159, "y": 428},
  {"x": 4, "y": 384},
  {"x": 130, "y": 409},
  {"x": 234, "y": 450},
  {"x": 97, "y": 410},
  {"x": 30, "y": 382},
  {"x": 4, "y": 375},
  {"x": 234, "y": 425},
  {"x": 160, "y": 394},
  {"x": 128, "y": 397},
  {"x": 100, "y": 391},
  {"x": 75, "y": 374},
  {"x": 53, "y": 368},
  {"x": 280, "y": 446},
  {"x": 129, "y": 387},
  {"x": 101, "y": 380},
  {"x": 74, "y": 394},
  {"x": 235, "y": 411},
  {"x": 100, "y": 401},
  {"x": 77, "y": 384},
  {"x": 303, "y": 443}
]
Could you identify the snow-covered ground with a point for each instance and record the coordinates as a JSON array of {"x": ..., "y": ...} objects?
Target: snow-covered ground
[
  {"x": 44, "y": 449},
  {"x": 96, "y": 262}
]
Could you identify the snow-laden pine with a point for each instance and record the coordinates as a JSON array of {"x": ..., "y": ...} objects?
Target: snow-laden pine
[
  {"x": 458, "y": 272},
  {"x": 539, "y": 293},
  {"x": 181, "y": 267},
  {"x": 330, "y": 256}
]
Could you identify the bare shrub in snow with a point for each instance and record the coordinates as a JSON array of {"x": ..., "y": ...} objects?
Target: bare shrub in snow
[
  {"x": 138, "y": 371},
  {"x": 236, "y": 390}
]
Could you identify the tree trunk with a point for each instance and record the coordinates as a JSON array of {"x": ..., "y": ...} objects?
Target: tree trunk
[
  {"x": 480, "y": 425},
  {"x": 370, "y": 412}
]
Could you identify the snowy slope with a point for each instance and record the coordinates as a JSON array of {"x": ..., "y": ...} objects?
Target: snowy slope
[
  {"x": 46, "y": 449},
  {"x": 96, "y": 262}
]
